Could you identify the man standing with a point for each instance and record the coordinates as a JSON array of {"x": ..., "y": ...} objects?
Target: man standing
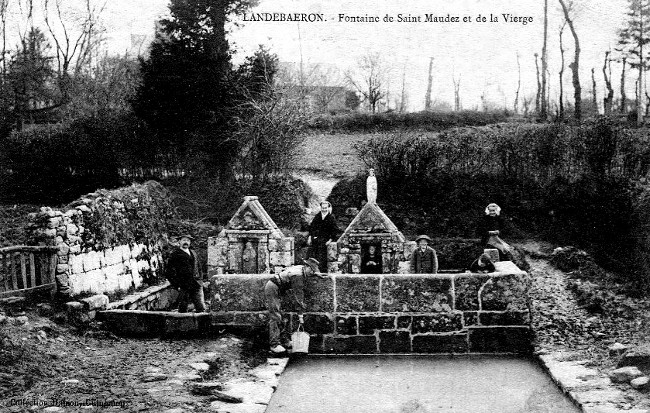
[
  {"x": 424, "y": 259},
  {"x": 290, "y": 279},
  {"x": 323, "y": 229},
  {"x": 184, "y": 274}
]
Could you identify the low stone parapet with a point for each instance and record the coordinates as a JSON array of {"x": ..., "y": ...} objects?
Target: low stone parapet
[
  {"x": 154, "y": 323},
  {"x": 394, "y": 313}
]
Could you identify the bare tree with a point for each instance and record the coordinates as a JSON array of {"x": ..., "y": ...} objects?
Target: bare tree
[
  {"x": 543, "y": 110},
  {"x": 575, "y": 65},
  {"x": 623, "y": 108},
  {"x": 594, "y": 99},
  {"x": 607, "y": 74},
  {"x": 516, "y": 105},
  {"x": 561, "y": 74},
  {"x": 74, "y": 41},
  {"x": 427, "y": 97},
  {"x": 539, "y": 86},
  {"x": 457, "y": 105},
  {"x": 372, "y": 72},
  {"x": 403, "y": 102}
]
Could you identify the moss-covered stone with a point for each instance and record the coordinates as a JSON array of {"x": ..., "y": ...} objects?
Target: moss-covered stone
[
  {"x": 351, "y": 345},
  {"x": 441, "y": 343},
  {"x": 238, "y": 293},
  {"x": 255, "y": 319},
  {"x": 470, "y": 318},
  {"x": 346, "y": 325},
  {"x": 394, "y": 342},
  {"x": 319, "y": 324},
  {"x": 437, "y": 323},
  {"x": 368, "y": 324},
  {"x": 404, "y": 321},
  {"x": 508, "y": 318},
  {"x": 507, "y": 292},
  {"x": 357, "y": 293},
  {"x": 500, "y": 339},
  {"x": 466, "y": 288},
  {"x": 415, "y": 293}
]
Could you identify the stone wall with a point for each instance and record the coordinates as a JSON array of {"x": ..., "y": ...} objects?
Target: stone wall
[
  {"x": 443, "y": 313},
  {"x": 106, "y": 240}
]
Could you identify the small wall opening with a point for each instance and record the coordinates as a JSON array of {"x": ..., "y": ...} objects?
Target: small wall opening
[{"x": 371, "y": 258}]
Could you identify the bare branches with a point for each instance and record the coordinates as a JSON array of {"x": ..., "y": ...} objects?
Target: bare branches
[
  {"x": 74, "y": 42},
  {"x": 575, "y": 65},
  {"x": 373, "y": 73}
]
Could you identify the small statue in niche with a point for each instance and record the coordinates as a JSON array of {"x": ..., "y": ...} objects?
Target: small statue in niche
[
  {"x": 371, "y": 261},
  {"x": 371, "y": 187},
  {"x": 249, "y": 259}
]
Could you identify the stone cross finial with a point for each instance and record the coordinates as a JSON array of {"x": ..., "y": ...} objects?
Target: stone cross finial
[{"x": 371, "y": 187}]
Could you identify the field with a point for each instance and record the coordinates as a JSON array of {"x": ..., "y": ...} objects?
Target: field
[{"x": 331, "y": 155}]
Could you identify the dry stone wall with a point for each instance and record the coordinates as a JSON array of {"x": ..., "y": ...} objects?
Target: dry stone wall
[
  {"x": 106, "y": 240},
  {"x": 394, "y": 313}
]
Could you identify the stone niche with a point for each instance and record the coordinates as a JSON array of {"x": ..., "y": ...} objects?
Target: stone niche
[
  {"x": 370, "y": 230},
  {"x": 251, "y": 243}
]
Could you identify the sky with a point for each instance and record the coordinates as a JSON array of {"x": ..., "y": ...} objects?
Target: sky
[{"x": 483, "y": 55}]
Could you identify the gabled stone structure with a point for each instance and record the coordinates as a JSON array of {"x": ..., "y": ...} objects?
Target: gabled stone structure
[
  {"x": 370, "y": 228},
  {"x": 251, "y": 243}
]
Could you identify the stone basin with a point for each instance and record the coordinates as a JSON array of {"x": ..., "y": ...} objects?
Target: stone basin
[{"x": 394, "y": 313}]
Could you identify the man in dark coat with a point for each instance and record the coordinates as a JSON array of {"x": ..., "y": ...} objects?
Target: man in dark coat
[
  {"x": 323, "y": 229},
  {"x": 424, "y": 259},
  {"x": 184, "y": 273}
]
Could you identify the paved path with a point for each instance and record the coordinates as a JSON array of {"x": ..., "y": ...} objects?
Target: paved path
[{"x": 417, "y": 385}]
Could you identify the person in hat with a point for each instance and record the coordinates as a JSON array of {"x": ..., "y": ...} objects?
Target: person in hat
[
  {"x": 291, "y": 279},
  {"x": 482, "y": 264},
  {"x": 323, "y": 229},
  {"x": 424, "y": 259},
  {"x": 184, "y": 273}
]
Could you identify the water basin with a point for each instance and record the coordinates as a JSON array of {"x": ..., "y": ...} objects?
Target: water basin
[{"x": 415, "y": 384}]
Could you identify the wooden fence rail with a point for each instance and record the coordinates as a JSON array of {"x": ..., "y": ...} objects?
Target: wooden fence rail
[{"x": 26, "y": 268}]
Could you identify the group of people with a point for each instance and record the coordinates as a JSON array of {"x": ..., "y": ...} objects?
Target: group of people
[
  {"x": 425, "y": 261},
  {"x": 184, "y": 272}
]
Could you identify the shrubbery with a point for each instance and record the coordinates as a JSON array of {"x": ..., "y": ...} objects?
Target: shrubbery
[
  {"x": 569, "y": 184},
  {"x": 284, "y": 198},
  {"x": 427, "y": 121},
  {"x": 55, "y": 164}
]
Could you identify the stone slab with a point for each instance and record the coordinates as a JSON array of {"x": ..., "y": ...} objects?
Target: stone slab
[
  {"x": 437, "y": 323},
  {"x": 347, "y": 325},
  {"x": 394, "y": 342},
  {"x": 351, "y": 345},
  {"x": 357, "y": 293},
  {"x": 500, "y": 340},
  {"x": 441, "y": 343},
  {"x": 466, "y": 287},
  {"x": 238, "y": 293},
  {"x": 404, "y": 293},
  {"x": 507, "y": 318},
  {"x": 368, "y": 324},
  {"x": 506, "y": 292}
]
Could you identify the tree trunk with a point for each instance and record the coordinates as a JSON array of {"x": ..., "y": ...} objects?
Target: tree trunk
[
  {"x": 623, "y": 108},
  {"x": 575, "y": 65},
  {"x": 594, "y": 98},
  {"x": 516, "y": 105},
  {"x": 561, "y": 112},
  {"x": 427, "y": 97},
  {"x": 543, "y": 112},
  {"x": 539, "y": 87},
  {"x": 607, "y": 101}
]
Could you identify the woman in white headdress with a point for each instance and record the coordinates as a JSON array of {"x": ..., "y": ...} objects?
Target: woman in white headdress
[{"x": 490, "y": 230}]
